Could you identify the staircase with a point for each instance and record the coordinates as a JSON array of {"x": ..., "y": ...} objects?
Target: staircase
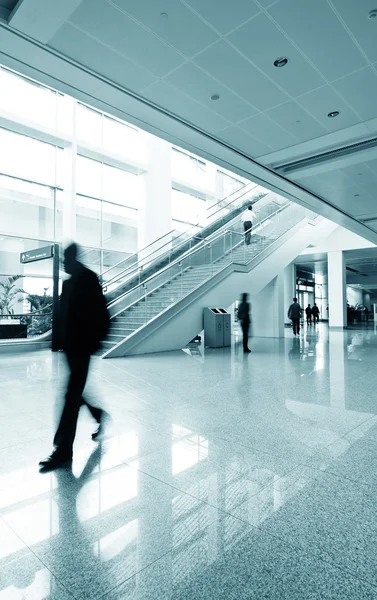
[{"x": 151, "y": 302}]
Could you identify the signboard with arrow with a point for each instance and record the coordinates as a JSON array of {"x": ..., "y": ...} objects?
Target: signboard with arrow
[{"x": 37, "y": 254}]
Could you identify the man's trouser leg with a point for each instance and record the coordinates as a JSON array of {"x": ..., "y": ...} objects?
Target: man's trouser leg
[
  {"x": 245, "y": 335},
  {"x": 65, "y": 434},
  {"x": 247, "y": 228}
]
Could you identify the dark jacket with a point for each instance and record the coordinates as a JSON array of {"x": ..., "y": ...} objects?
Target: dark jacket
[
  {"x": 294, "y": 311},
  {"x": 315, "y": 311},
  {"x": 83, "y": 315},
  {"x": 244, "y": 312}
]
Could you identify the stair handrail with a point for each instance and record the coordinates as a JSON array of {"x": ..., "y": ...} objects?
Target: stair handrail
[
  {"x": 132, "y": 268},
  {"x": 192, "y": 251}
]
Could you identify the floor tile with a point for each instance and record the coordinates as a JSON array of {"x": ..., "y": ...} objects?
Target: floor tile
[{"x": 257, "y": 568}]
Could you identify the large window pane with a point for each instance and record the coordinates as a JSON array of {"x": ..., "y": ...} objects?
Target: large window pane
[
  {"x": 26, "y": 209},
  {"x": 27, "y": 99},
  {"x": 88, "y": 221},
  {"x": 27, "y": 158},
  {"x": 227, "y": 184},
  {"x": 121, "y": 187},
  {"x": 188, "y": 168},
  {"x": 187, "y": 208},
  {"x": 119, "y": 228},
  {"x": 89, "y": 125},
  {"x": 89, "y": 177},
  {"x": 118, "y": 138}
]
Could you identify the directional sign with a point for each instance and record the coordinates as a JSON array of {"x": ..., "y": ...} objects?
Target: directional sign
[{"x": 37, "y": 254}]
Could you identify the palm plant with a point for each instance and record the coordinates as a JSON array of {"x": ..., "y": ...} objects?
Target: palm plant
[
  {"x": 41, "y": 321},
  {"x": 8, "y": 294}
]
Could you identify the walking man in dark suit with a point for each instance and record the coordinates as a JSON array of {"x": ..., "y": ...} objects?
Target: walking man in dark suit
[
  {"x": 244, "y": 316},
  {"x": 84, "y": 323}
]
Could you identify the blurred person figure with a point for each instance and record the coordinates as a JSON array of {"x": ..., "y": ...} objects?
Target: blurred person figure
[
  {"x": 244, "y": 318},
  {"x": 248, "y": 218},
  {"x": 308, "y": 312},
  {"x": 315, "y": 313},
  {"x": 294, "y": 313},
  {"x": 83, "y": 324}
]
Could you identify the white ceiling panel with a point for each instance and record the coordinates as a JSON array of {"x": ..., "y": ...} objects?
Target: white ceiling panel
[
  {"x": 355, "y": 16},
  {"x": 313, "y": 26},
  {"x": 315, "y": 184},
  {"x": 262, "y": 42},
  {"x": 200, "y": 86},
  {"x": 360, "y": 89},
  {"x": 349, "y": 201},
  {"x": 268, "y": 132},
  {"x": 173, "y": 100},
  {"x": 292, "y": 117},
  {"x": 238, "y": 138},
  {"x": 371, "y": 188},
  {"x": 176, "y": 28},
  {"x": 224, "y": 15},
  {"x": 117, "y": 30},
  {"x": 337, "y": 179},
  {"x": 232, "y": 69},
  {"x": 324, "y": 100},
  {"x": 86, "y": 50},
  {"x": 372, "y": 165},
  {"x": 360, "y": 173}
]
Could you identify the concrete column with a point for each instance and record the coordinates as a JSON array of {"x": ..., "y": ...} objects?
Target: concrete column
[
  {"x": 267, "y": 310},
  {"x": 289, "y": 288},
  {"x": 155, "y": 204},
  {"x": 337, "y": 289},
  {"x": 69, "y": 182}
]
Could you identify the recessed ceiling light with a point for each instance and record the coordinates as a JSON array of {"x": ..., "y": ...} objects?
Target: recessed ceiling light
[
  {"x": 280, "y": 62},
  {"x": 164, "y": 15},
  {"x": 372, "y": 14},
  {"x": 333, "y": 114},
  {"x": 215, "y": 97}
]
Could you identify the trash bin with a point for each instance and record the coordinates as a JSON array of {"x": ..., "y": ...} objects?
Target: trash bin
[
  {"x": 227, "y": 327},
  {"x": 213, "y": 328},
  {"x": 217, "y": 327}
]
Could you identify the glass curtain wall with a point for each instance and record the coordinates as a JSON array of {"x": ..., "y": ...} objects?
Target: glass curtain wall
[
  {"x": 106, "y": 213},
  {"x": 108, "y": 190}
]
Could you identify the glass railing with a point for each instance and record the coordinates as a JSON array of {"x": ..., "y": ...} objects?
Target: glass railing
[
  {"x": 31, "y": 325},
  {"x": 181, "y": 277},
  {"x": 171, "y": 244}
]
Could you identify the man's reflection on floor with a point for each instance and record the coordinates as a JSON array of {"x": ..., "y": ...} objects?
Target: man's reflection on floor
[{"x": 72, "y": 553}]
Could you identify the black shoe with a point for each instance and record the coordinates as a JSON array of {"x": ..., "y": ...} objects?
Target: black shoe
[
  {"x": 56, "y": 460},
  {"x": 98, "y": 434},
  {"x": 247, "y": 350}
]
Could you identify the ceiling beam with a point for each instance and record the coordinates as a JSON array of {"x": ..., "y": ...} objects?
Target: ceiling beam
[{"x": 41, "y": 19}]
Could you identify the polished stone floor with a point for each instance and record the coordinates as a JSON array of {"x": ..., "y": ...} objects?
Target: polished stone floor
[{"x": 224, "y": 476}]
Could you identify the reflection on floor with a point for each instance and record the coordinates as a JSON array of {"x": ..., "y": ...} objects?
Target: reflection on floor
[{"x": 225, "y": 476}]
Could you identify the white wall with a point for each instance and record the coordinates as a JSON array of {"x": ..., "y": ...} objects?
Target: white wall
[{"x": 354, "y": 295}]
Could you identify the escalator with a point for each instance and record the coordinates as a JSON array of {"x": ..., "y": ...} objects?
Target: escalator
[{"x": 164, "y": 310}]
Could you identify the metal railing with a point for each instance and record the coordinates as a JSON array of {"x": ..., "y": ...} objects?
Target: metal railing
[
  {"x": 204, "y": 261},
  {"x": 164, "y": 245},
  {"x": 38, "y": 322}
]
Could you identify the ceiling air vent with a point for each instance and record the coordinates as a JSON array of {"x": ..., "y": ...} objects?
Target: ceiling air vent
[{"x": 317, "y": 159}]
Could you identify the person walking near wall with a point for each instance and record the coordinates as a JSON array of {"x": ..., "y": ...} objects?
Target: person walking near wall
[
  {"x": 294, "y": 313},
  {"x": 248, "y": 218},
  {"x": 308, "y": 312},
  {"x": 315, "y": 313},
  {"x": 244, "y": 318},
  {"x": 84, "y": 323}
]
